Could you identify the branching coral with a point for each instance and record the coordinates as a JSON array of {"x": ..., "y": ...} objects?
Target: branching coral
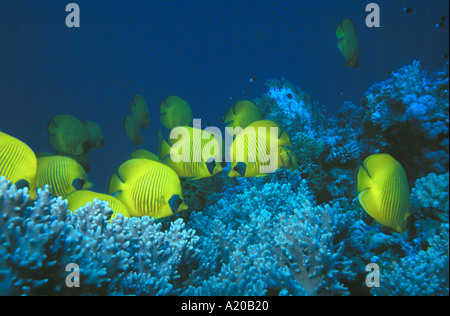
[
  {"x": 273, "y": 241},
  {"x": 40, "y": 241},
  {"x": 423, "y": 273},
  {"x": 430, "y": 196}
]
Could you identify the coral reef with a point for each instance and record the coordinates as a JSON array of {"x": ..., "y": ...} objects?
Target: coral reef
[
  {"x": 305, "y": 122},
  {"x": 300, "y": 232},
  {"x": 272, "y": 240},
  {"x": 126, "y": 256},
  {"x": 408, "y": 116}
]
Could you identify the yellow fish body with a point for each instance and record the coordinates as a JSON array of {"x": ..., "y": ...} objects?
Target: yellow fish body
[
  {"x": 142, "y": 153},
  {"x": 68, "y": 135},
  {"x": 131, "y": 127},
  {"x": 384, "y": 191},
  {"x": 348, "y": 43},
  {"x": 175, "y": 112},
  {"x": 245, "y": 152},
  {"x": 139, "y": 109},
  {"x": 18, "y": 163},
  {"x": 63, "y": 174},
  {"x": 95, "y": 134},
  {"x": 242, "y": 114},
  {"x": 80, "y": 198},
  {"x": 147, "y": 188},
  {"x": 199, "y": 153}
]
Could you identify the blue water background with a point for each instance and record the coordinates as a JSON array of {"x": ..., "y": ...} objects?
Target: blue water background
[{"x": 203, "y": 51}]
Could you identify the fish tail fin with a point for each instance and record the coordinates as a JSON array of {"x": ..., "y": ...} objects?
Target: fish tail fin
[
  {"x": 284, "y": 139},
  {"x": 293, "y": 164}
]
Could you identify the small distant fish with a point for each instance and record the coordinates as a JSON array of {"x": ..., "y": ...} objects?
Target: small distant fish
[
  {"x": 407, "y": 9},
  {"x": 139, "y": 109},
  {"x": 348, "y": 43},
  {"x": 80, "y": 198},
  {"x": 175, "y": 112},
  {"x": 131, "y": 127},
  {"x": 147, "y": 188},
  {"x": 252, "y": 79},
  {"x": 384, "y": 191},
  {"x": 18, "y": 163},
  {"x": 63, "y": 174},
  {"x": 244, "y": 90},
  {"x": 442, "y": 23}
]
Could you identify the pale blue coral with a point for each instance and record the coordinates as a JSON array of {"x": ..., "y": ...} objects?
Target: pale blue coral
[
  {"x": 425, "y": 272},
  {"x": 39, "y": 241},
  {"x": 430, "y": 195},
  {"x": 272, "y": 240}
]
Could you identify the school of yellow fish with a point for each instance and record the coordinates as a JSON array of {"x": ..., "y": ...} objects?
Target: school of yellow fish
[{"x": 148, "y": 184}]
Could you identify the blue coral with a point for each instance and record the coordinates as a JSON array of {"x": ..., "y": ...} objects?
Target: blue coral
[
  {"x": 126, "y": 256},
  {"x": 270, "y": 240}
]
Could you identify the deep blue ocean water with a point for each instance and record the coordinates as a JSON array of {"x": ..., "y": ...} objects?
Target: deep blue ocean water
[{"x": 203, "y": 51}]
